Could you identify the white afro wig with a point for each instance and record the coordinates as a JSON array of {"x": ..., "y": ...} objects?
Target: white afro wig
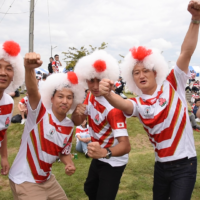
[
  {"x": 151, "y": 59},
  {"x": 9, "y": 51},
  {"x": 59, "y": 81},
  {"x": 97, "y": 65}
]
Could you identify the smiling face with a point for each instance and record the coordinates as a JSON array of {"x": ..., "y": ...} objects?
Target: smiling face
[
  {"x": 145, "y": 79},
  {"x": 93, "y": 86},
  {"x": 62, "y": 102},
  {"x": 6, "y": 74}
]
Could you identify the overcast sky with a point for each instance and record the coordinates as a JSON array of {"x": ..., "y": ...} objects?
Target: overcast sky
[{"x": 120, "y": 23}]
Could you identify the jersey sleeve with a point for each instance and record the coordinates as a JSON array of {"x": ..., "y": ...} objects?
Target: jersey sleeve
[
  {"x": 53, "y": 64},
  {"x": 178, "y": 78},
  {"x": 135, "y": 111},
  {"x": 22, "y": 101},
  {"x": 117, "y": 121},
  {"x": 77, "y": 131},
  {"x": 68, "y": 145},
  {"x": 34, "y": 116}
]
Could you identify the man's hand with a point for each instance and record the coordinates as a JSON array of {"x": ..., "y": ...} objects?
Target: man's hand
[
  {"x": 95, "y": 151},
  {"x": 105, "y": 87},
  {"x": 194, "y": 9},
  {"x": 70, "y": 169},
  {"x": 80, "y": 109},
  {"x": 4, "y": 166},
  {"x": 32, "y": 61}
]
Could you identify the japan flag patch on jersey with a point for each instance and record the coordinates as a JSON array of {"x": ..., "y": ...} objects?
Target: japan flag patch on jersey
[{"x": 120, "y": 125}]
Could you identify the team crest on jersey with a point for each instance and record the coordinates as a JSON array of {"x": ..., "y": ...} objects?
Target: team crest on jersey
[
  {"x": 7, "y": 122},
  {"x": 65, "y": 141},
  {"x": 96, "y": 119},
  {"x": 162, "y": 102},
  {"x": 147, "y": 111}
]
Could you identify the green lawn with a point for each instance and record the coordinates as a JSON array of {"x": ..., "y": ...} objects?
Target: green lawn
[{"x": 137, "y": 180}]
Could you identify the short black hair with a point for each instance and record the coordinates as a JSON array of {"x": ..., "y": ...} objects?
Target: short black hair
[
  {"x": 51, "y": 58},
  {"x": 56, "y": 55},
  {"x": 196, "y": 100},
  {"x": 44, "y": 76}
]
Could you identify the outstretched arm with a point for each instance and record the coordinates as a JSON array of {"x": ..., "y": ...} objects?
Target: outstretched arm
[
  {"x": 32, "y": 61},
  {"x": 105, "y": 87},
  {"x": 191, "y": 38}
]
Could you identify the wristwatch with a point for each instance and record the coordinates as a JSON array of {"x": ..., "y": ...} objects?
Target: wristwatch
[{"x": 109, "y": 153}]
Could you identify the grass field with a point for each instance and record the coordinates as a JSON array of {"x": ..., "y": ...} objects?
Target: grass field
[{"x": 137, "y": 180}]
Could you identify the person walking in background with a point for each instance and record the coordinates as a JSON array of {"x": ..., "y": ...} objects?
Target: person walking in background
[
  {"x": 50, "y": 69},
  {"x": 11, "y": 76},
  {"x": 82, "y": 138},
  {"x": 56, "y": 64}
]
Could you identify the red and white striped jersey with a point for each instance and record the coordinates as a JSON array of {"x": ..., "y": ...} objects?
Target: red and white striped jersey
[
  {"x": 82, "y": 131},
  {"x": 43, "y": 139},
  {"x": 106, "y": 123},
  {"x": 56, "y": 64},
  {"x": 6, "y": 108},
  {"x": 118, "y": 84},
  {"x": 24, "y": 101},
  {"x": 193, "y": 106},
  {"x": 164, "y": 116},
  {"x": 196, "y": 85}
]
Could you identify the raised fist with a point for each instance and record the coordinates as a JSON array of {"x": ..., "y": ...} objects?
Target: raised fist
[
  {"x": 80, "y": 109},
  {"x": 32, "y": 60},
  {"x": 194, "y": 9},
  {"x": 105, "y": 87}
]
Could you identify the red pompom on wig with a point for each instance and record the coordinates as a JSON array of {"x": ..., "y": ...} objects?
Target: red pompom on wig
[
  {"x": 11, "y": 47},
  {"x": 72, "y": 77},
  {"x": 140, "y": 53},
  {"x": 99, "y": 66}
]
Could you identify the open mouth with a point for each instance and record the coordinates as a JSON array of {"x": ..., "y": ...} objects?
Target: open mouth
[{"x": 143, "y": 82}]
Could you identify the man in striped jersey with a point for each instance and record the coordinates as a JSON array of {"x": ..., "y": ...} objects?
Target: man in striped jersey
[
  {"x": 107, "y": 127},
  {"x": 162, "y": 109},
  {"x": 47, "y": 134},
  {"x": 11, "y": 77}
]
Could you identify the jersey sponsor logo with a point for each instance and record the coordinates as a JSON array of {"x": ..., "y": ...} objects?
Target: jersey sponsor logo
[
  {"x": 120, "y": 125},
  {"x": 147, "y": 111},
  {"x": 96, "y": 119},
  {"x": 51, "y": 133},
  {"x": 7, "y": 122},
  {"x": 162, "y": 102}
]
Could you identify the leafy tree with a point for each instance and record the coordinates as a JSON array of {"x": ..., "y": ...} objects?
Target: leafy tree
[{"x": 73, "y": 54}]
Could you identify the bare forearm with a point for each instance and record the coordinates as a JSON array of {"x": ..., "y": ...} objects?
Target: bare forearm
[
  {"x": 190, "y": 41},
  {"x": 4, "y": 153},
  {"x": 118, "y": 102},
  {"x": 66, "y": 159},
  {"x": 31, "y": 82}
]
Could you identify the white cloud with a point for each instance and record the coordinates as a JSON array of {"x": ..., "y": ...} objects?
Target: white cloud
[{"x": 122, "y": 24}]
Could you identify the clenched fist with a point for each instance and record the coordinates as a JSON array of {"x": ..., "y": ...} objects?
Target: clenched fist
[
  {"x": 70, "y": 169},
  {"x": 105, "y": 87},
  {"x": 95, "y": 151},
  {"x": 80, "y": 109},
  {"x": 194, "y": 9},
  {"x": 32, "y": 60}
]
